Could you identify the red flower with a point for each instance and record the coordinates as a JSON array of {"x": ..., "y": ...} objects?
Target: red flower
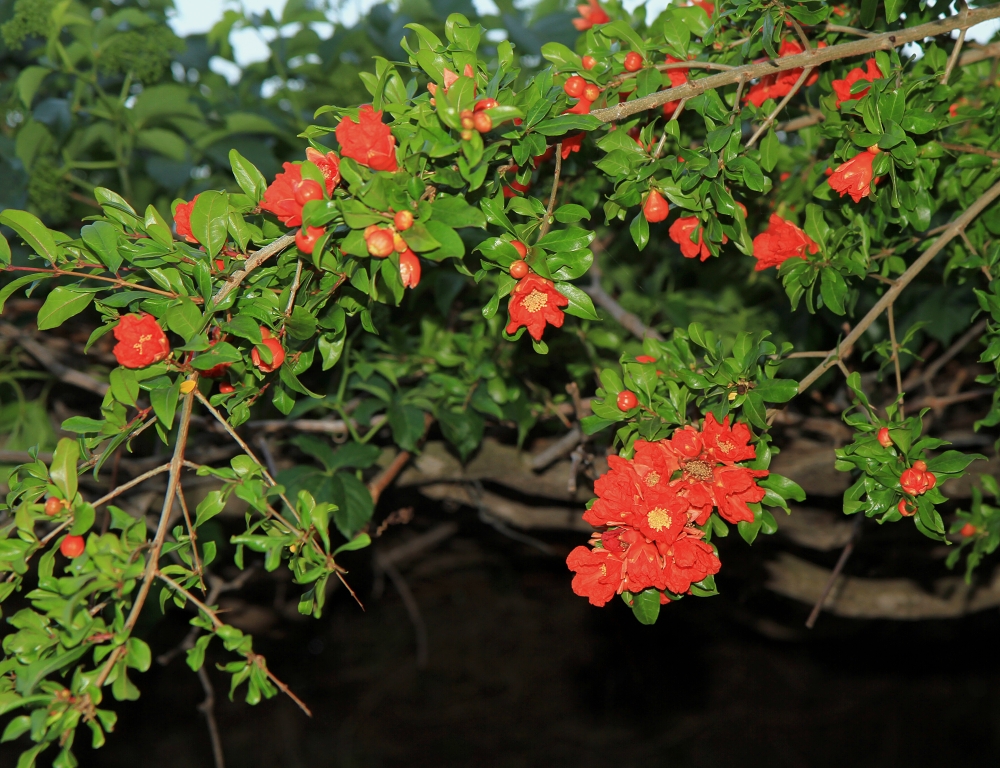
[
  {"x": 842, "y": 88},
  {"x": 535, "y": 302},
  {"x": 677, "y": 77},
  {"x": 855, "y": 176},
  {"x": 368, "y": 141},
  {"x": 680, "y": 232},
  {"x": 781, "y": 241},
  {"x": 687, "y": 561},
  {"x": 329, "y": 166},
  {"x": 707, "y": 462},
  {"x": 617, "y": 491},
  {"x": 781, "y": 84},
  {"x": 182, "y": 220},
  {"x": 598, "y": 573},
  {"x": 141, "y": 341},
  {"x": 590, "y": 15},
  {"x": 706, "y": 6},
  {"x": 917, "y": 480},
  {"x": 645, "y": 359},
  {"x": 582, "y": 107},
  {"x": 643, "y": 565},
  {"x": 409, "y": 269},
  {"x": 279, "y": 197},
  {"x": 571, "y": 144}
]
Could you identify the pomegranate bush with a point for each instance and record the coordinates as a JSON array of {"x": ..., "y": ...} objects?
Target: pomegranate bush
[{"x": 433, "y": 254}]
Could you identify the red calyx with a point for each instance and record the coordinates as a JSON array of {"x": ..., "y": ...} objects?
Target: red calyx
[
  {"x": 592, "y": 92},
  {"x": 380, "y": 243},
  {"x": 574, "y": 86},
  {"x": 307, "y": 190},
  {"x": 883, "y": 438},
  {"x": 482, "y": 122},
  {"x": 307, "y": 237},
  {"x": 655, "y": 208},
  {"x": 226, "y": 388},
  {"x": 72, "y": 546},
  {"x": 627, "y": 400},
  {"x": 968, "y": 530},
  {"x": 402, "y": 221}
]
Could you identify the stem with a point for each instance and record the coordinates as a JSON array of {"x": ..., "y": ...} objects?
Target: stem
[
  {"x": 255, "y": 260},
  {"x": 131, "y": 484},
  {"x": 294, "y": 289},
  {"x": 951, "y": 231},
  {"x": 152, "y": 566},
  {"x": 895, "y": 358},
  {"x": 811, "y": 58},
  {"x": 848, "y": 549},
  {"x": 953, "y": 59},
  {"x": 547, "y": 223}
]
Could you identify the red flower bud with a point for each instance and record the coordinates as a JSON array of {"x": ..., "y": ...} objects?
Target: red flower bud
[
  {"x": 655, "y": 208},
  {"x": 592, "y": 92},
  {"x": 482, "y": 122},
  {"x": 574, "y": 86},
  {"x": 589, "y": 62},
  {"x": 277, "y": 353},
  {"x": 307, "y": 190},
  {"x": 380, "y": 243},
  {"x": 409, "y": 268},
  {"x": 907, "y": 508},
  {"x": 485, "y": 104},
  {"x": 633, "y": 62},
  {"x": 403, "y": 220},
  {"x": 917, "y": 480},
  {"x": 883, "y": 438},
  {"x": 519, "y": 269},
  {"x": 520, "y": 247},
  {"x": 968, "y": 530},
  {"x": 53, "y": 506},
  {"x": 72, "y": 546},
  {"x": 226, "y": 388},
  {"x": 306, "y": 238},
  {"x": 627, "y": 400}
]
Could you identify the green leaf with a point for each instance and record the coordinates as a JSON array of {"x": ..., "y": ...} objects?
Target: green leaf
[
  {"x": 184, "y": 318},
  {"x": 102, "y": 238},
  {"x": 354, "y": 504},
  {"x": 787, "y": 489},
  {"x": 38, "y": 237},
  {"x": 646, "y": 606},
  {"x": 15, "y": 285},
  {"x": 209, "y": 219},
  {"x": 953, "y": 462},
  {"x": 124, "y": 386},
  {"x": 247, "y": 176},
  {"x": 892, "y": 9},
  {"x": 360, "y": 541},
  {"x": 833, "y": 289},
  {"x": 580, "y": 304},
  {"x": 60, "y": 305},
  {"x": 63, "y": 467}
]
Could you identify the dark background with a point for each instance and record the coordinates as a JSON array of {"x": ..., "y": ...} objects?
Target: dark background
[{"x": 524, "y": 673}]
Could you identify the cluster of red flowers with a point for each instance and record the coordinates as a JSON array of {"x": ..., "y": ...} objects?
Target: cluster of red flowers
[{"x": 650, "y": 508}]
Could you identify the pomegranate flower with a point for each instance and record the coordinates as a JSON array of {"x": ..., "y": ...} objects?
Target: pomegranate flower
[
  {"x": 534, "y": 303},
  {"x": 842, "y": 88},
  {"x": 279, "y": 197},
  {"x": 329, "y": 166},
  {"x": 680, "y": 232},
  {"x": 182, "y": 220},
  {"x": 781, "y": 84},
  {"x": 368, "y": 141},
  {"x": 598, "y": 573},
  {"x": 677, "y": 77},
  {"x": 781, "y": 241},
  {"x": 141, "y": 341},
  {"x": 854, "y": 177},
  {"x": 590, "y": 15},
  {"x": 917, "y": 480}
]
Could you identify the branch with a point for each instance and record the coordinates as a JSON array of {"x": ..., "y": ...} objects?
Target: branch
[
  {"x": 968, "y": 148},
  {"x": 777, "y": 110},
  {"x": 952, "y": 231},
  {"x": 152, "y": 566},
  {"x": 255, "y": 260},
  {"x": 811, "y": 58},
  {"x": 841, "y": 562},
  {"x": 547, "y": 221},
  {"x": 953, "y": 59},
  {"x": 626, "y": 319}
]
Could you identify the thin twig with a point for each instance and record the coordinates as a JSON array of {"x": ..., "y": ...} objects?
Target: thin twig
[
  {"x": 625, "y": 319},
  {"x": 953, "y": 59},
  {"x": 895, "y": 358},
  {"x": 246, "y": 449},
  {"x": 411, "y": 605},
  {"x": 131, "y": 484},
  {"x": 957, "y": 346},
  {"x": 547, "y": 221},
  {"x": 844, "y": 555},
  {"x": 207, "y": 708},
  {"x": 811, "y": 58},
  {"x": 950, "y": 232},
  {"x": 294, "y": 289},
  {"x": 152, "y": 565},
  {"x": 193, "y": 536},
  {"x": 849, "y": 30},
  {"x": 673, "y": 117},
  {"x": 51, "y": 363},
  {"x": 777, "y": 110},
  {"x": 968, "y": 148}
]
